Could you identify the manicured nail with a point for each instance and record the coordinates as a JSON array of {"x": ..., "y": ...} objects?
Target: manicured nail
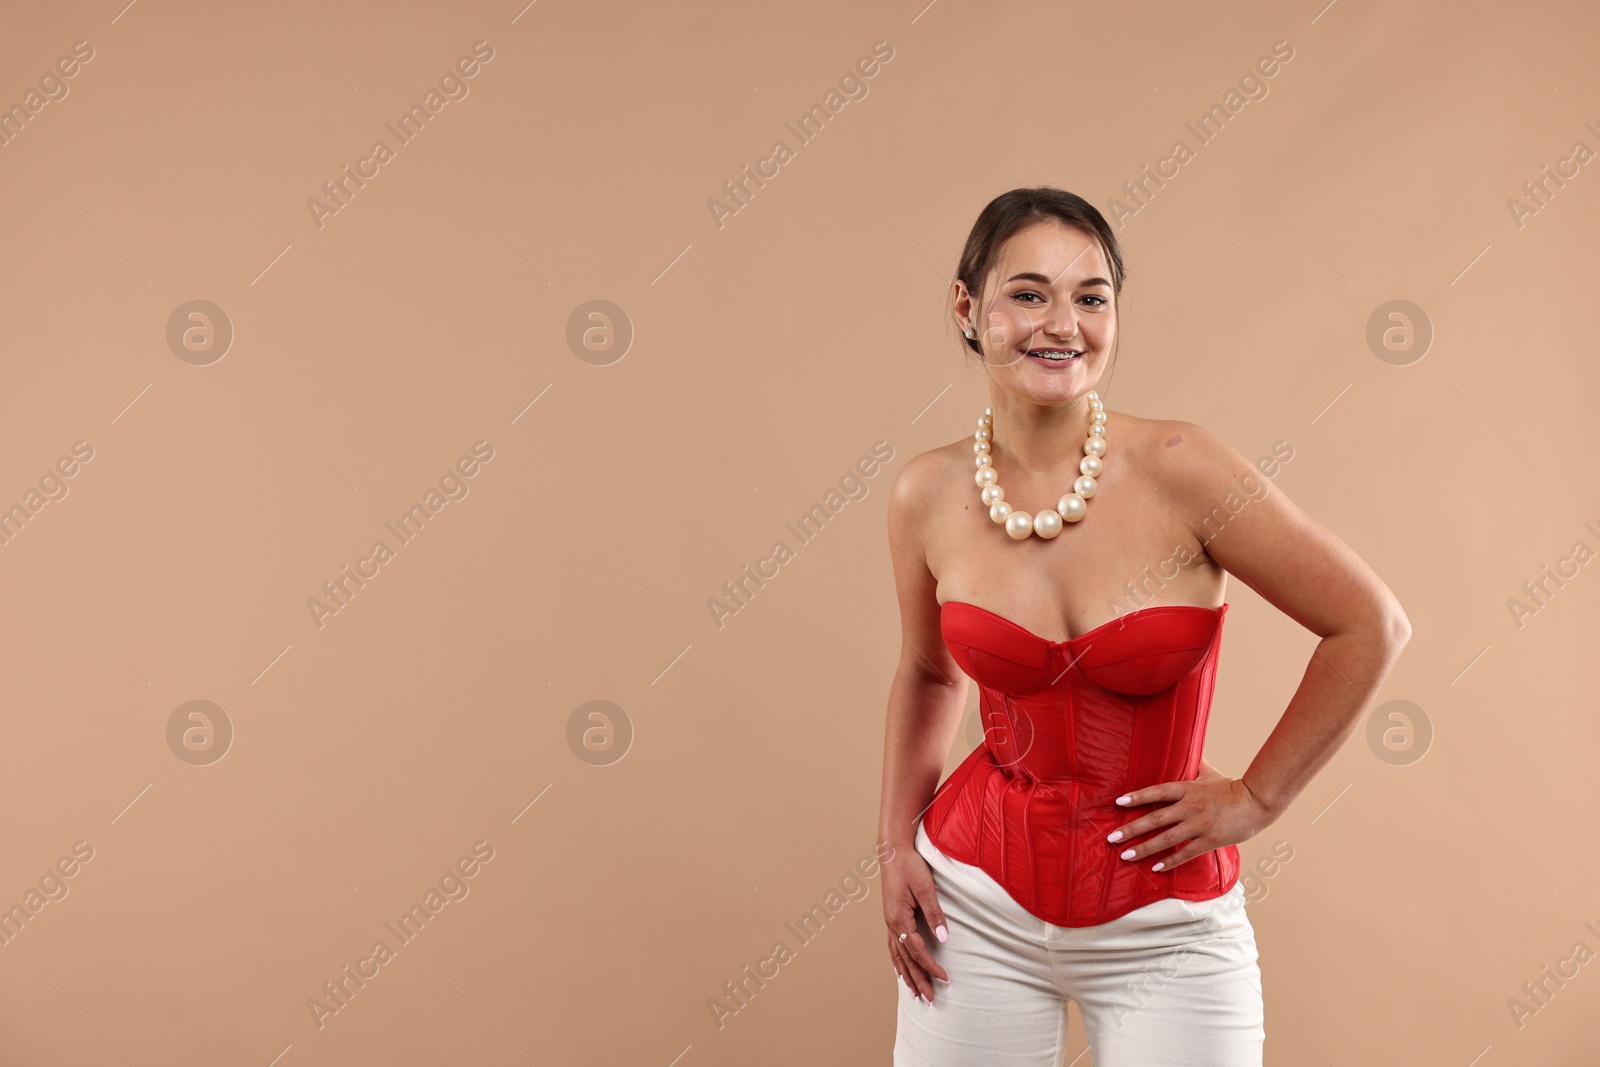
[
  {"x": 1123, "y": 800},
  {"x": 1128, "y": 855},
  {"x": 941, "y": 933},
  {"x": 946, "y": 981},
  {"x": 1158, "y": 866},
  {"x": 1115, "y": 837}
]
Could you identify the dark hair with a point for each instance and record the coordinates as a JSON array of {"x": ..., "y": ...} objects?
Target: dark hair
[{"x": 1010, "y": 212}]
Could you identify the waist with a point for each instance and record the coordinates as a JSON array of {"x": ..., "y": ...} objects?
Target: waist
[{"x": 1106, "y": 744}]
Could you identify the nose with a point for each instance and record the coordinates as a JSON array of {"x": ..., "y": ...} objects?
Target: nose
[{"x": 1062, "y": 321}]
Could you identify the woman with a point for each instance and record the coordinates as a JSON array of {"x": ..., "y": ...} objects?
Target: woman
[{"x": 1085, "y": 851}]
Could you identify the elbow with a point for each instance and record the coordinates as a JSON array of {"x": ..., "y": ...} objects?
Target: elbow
[{"x": 1396, "y": 626}]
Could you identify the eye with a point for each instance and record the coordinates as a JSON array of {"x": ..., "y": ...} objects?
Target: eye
[
  {"x": 1101, "y": 299},
  {"x": 1028, "y": 292}
]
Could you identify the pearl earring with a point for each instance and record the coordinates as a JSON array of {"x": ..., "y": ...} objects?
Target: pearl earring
[{"x": 970, "y": 333}]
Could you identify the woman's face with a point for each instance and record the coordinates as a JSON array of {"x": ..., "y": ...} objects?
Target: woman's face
[{"x": 1050, "y": 289}]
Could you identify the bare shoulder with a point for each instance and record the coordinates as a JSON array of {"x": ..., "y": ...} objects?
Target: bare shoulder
[
  {"x": 1186, "y": 458},
  {"x": 923, "y": 477}
]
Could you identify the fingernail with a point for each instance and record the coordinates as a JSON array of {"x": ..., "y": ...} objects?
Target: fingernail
[
  {"x": 1123, "y": 800},
  {"x": 1128, "y": 855},
  {"x": 941, "y": 933},
  {"x": 1158, "y": 866},
  {"x": 946, "y": 981},
  {"x": 1115, "y": 837}
]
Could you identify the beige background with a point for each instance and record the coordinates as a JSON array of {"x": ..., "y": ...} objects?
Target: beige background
[{"x": 434, "y": 710}]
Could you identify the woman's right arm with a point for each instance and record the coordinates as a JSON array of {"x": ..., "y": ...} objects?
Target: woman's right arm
[{"x": 926, "y": 700}]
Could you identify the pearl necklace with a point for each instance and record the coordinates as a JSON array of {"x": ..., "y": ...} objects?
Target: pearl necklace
[{"x": 1070, "y": 508}]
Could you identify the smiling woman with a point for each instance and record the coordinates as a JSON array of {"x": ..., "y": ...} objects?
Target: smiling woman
[{"x": 1086, "y": 844}]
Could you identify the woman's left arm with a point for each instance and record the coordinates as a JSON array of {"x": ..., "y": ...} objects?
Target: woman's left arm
[{"x": 1260, "y": 537}]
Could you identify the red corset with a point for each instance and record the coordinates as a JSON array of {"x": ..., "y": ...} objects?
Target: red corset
[{"x": 1069, "y": 726}]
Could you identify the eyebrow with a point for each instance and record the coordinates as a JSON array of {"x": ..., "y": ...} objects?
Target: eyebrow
[{"x": 1031, "y": 276}]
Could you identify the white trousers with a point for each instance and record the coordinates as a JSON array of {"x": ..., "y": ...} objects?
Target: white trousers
[{"x": 1172, "y": 984}]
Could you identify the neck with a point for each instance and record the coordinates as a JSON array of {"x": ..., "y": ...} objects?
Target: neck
[{"x": 1036, "y": 439}]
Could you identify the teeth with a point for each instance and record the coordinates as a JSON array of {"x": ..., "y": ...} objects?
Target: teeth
[{"x": 1053, "y": 355}]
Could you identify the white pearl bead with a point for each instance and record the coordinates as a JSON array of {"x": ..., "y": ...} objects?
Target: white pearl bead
[
  {"x": 980, "y": 447},
  {"x": 1090, "y": 465},
  {"x": 1047, "y": 523},
  {"x": 1000, "y": 511},
  {"x": 984, "y": 459},
  {"x": 1072, "y": 507},
  {"x": 982, "y": 434},
  {"x": 1097, "y": 429},
  {"x": 1093, "y": 395},
  {"x": 1085, "y": 486},
  {"x": 987, "y": 476},
  {"x": 1098, "y": 416},
  {"x": 1096, "y": 405},
  {"x": 1095, "y": 446},
  {"x": 1019, "y": 524},
  {"x": 991, "y": 494}
]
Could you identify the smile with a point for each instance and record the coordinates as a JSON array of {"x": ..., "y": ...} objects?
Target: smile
[{"x": 1054, "y": 355}]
